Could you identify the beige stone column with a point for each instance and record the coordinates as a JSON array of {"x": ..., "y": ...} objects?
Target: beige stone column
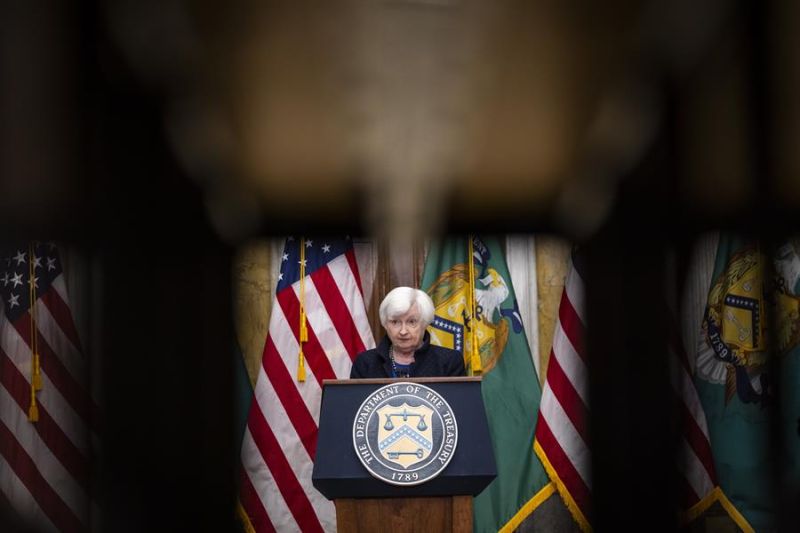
[
  {"x": 253, "y": 286},
  {"x": 552, "y": 254}
]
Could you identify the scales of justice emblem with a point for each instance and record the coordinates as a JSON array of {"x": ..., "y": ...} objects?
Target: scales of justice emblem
[
  {"x": 405, "y": 433},
  {"x": 405, "y": 437}
]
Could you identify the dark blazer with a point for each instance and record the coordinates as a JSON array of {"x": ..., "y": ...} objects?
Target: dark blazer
[{"x": 429, "y": 361}]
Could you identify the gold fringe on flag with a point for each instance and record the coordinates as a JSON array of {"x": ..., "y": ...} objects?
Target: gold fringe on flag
[
  {"x": 301, "y": 366},
  {"x": 247, "y": 525},
  {"x": 475, "y": 357},
  {"x": 36, "y": 375}
]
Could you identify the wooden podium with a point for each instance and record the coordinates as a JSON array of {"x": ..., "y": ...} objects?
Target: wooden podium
[{"x": 365, "y": 503}]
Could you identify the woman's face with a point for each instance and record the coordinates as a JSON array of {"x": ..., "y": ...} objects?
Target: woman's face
[{"x": 406, "y": 331}]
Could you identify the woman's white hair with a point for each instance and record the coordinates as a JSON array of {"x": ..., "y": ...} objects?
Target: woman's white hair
[{"x": 400, "y": 299}]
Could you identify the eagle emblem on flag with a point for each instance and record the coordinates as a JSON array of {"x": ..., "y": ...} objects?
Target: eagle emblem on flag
[{"x": 453, "y": 315}]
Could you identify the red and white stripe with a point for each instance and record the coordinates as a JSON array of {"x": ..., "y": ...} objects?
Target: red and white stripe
[
  {"x": 562, "y": 433},
  {"x": 562, "y": 436},
  {"x": 695, "y": 460},
  {"x": 281, "y": 436},
  {"x": 44, "y": 465}
]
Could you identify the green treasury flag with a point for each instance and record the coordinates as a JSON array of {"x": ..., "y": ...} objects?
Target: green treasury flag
[
  {"x": 482, "y": 320},
  {"x": 733, "y": 378}
]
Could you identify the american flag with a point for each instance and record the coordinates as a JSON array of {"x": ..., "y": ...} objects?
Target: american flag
[
  {"x": 562, "y": 433},
  {"x": 46, "y": 430},
  {"x": 281, "y": 436}
]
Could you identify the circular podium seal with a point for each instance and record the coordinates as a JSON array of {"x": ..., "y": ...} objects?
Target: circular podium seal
[{"x": 405, "y": 433}]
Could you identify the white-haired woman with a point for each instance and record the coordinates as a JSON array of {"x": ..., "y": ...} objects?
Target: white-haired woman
[{"x": 406, "y": 350}]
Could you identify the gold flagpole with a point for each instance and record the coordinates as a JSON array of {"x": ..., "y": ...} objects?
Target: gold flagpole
[
  {"x": 36, "y": 376},
  {"x": 475, "y": 356},
  {"x": 301, "y": 367}
]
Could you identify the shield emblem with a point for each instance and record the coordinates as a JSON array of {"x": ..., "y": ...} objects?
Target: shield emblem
[
  {"x": 405, "y": 436},
  {"x": 741, "y": 313}
]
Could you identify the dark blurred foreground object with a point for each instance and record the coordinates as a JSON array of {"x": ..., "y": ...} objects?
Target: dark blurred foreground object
[{"x": 403, "y": 114}]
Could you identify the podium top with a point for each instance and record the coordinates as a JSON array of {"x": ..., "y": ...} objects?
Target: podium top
[{"x": 383, "y": 381}]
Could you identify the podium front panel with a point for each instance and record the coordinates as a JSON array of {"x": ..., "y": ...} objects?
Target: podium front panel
[{"x": 338, "y": 472}]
